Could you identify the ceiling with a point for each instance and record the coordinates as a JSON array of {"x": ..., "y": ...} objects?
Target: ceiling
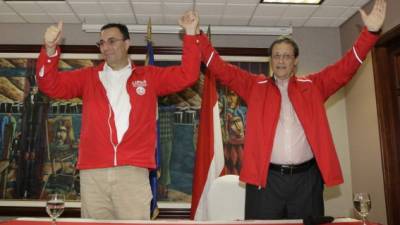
[{"x": 332, "y": 13}]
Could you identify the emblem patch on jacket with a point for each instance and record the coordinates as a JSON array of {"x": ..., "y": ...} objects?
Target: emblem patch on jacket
[{"x": 140, "y": 86}]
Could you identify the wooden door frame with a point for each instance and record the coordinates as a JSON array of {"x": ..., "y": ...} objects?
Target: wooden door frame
[{"x": 388, "y": 118}]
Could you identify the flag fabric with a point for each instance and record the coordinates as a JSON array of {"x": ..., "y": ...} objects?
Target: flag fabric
[
  {"x": 209, "y": 160},
  {"x": 150, "y": 53},
  {"x": 153, "y": 176}
]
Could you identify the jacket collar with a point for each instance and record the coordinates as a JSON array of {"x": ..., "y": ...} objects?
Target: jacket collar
[
  {"x": 294, "y": 78},
  {"x": 101, "y": 67}
]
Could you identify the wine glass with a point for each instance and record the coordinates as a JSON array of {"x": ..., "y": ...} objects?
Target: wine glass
[
  {"x": 55, "y": 206},
  {"x": 362, "y": 204}
]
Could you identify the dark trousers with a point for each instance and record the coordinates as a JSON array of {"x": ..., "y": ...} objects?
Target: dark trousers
[{"x": 286, "y": 196}]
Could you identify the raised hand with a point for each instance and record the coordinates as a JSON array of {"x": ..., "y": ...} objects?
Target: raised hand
[
  {"x": 52, "y": 37},
  {"x": 374, "y": 20},
  {"x": 190, "y": 22}
]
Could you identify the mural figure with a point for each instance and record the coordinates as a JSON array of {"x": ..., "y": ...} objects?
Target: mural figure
[{"x": 234, "y": 122}]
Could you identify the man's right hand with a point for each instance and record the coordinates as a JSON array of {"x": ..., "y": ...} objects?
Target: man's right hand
[{"x": 52, "y": 37}]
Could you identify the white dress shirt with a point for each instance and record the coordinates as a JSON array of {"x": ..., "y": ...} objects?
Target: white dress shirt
[{"x": 290, "y": 143}]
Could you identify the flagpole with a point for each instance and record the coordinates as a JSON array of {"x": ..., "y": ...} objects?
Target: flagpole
[
  {"x": 149, "y": 31},
  {"x": 153, "y": 176}
]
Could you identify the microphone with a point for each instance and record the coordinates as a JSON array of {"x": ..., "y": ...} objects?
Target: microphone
[{"x": 314, "y": 220}]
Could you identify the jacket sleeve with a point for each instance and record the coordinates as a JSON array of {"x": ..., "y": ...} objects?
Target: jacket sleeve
[
  {"x": 335, "y": 76},
  {"x": 172, "y": 79},
  {"x": 229, "y": 75},
  {"x": 55, "y": 84}
]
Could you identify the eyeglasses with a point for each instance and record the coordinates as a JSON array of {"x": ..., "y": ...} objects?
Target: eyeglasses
[
  {"x": 110, "y": 41},
  {"x": 285, "y": 57}
]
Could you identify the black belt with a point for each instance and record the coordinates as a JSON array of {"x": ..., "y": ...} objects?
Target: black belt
[{"x": 292, "y": 169}]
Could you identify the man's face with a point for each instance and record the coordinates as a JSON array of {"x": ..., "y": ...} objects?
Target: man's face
[
  {"x": 283, "y": 61},
  {"x": 113, "y": 46}
]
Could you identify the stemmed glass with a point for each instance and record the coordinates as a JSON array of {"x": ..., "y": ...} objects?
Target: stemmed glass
[
  {"x": 362, "y": 204},
  {"x": 55, "y": 206}
]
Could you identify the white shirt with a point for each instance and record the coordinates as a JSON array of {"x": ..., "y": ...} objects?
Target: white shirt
[
  {"x": 115, "y": 84},
  {"x": 290, "y": 143}
]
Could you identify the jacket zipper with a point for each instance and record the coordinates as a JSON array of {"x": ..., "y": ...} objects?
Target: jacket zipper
[{"x": 115, "y": 146}]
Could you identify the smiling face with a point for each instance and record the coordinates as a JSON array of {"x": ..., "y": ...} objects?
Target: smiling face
[
  {"x": 284, "y": 61},
  {"x": 114, "y": 48}
]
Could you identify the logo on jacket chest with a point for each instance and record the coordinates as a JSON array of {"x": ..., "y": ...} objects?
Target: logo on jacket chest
[{"x": 140, "y": 86}]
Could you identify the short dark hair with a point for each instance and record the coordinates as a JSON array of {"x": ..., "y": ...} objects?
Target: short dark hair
[
  {"x": 121, "y": 27},
  {"x": 287, "y": 40}
]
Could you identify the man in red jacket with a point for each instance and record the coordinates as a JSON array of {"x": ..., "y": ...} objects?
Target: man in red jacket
[
  {"x": 118, "y": 134},
  {"x": 288, "y": 151}
]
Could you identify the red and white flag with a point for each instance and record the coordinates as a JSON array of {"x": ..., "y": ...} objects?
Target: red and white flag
[{"x": 209, "y": 161}]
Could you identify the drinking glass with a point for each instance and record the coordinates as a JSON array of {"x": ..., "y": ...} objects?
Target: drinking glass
[
  {"x": 55, "y": 206},
  {"x": 362, "y": 204}
]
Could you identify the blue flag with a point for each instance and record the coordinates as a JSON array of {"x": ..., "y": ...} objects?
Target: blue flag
[
  {"x": 153, "y": 173},
  {"x": 150, "y": 53}
]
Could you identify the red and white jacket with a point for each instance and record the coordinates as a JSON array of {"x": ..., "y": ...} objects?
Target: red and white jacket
[
  {"x": 98, "y": 147},
  {"x": 307, "y": 94}
]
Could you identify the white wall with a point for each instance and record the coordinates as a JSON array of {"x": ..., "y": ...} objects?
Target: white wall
[{"x": 366, "y": 164}]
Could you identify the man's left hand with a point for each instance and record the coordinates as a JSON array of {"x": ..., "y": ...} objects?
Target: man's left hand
[
  {"x": 374, "y": 20},
  {"x": 190, "y": 22}
]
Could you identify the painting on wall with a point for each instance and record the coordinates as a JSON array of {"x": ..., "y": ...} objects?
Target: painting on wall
[
  {"x": 12, "y": 95},
  {"x": 40, "y": 136}
]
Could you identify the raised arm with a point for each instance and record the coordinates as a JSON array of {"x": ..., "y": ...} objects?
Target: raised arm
[
  {"x": 235, "y": 78},
  {"x": 176, "y": 78},
  {"x": 53, "y": 83},
  {"x": 52, "y": 38},
  {"x": 333, "y": 77}
]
